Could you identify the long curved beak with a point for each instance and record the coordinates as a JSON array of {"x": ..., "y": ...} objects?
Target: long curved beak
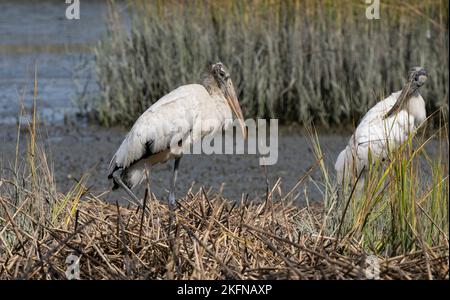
[{"x": 236, "y": 108}]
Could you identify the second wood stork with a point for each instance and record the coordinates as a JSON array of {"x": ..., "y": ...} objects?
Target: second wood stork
[
  {"x": 185, "y": 115},
  {"x": 384, "y": 128}
]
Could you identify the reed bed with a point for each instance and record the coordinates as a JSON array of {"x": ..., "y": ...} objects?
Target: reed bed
[
  {"x": 292, "y": 60},
  {"x": 209, "y": 238},
  {"x": 397, "y": 205}
]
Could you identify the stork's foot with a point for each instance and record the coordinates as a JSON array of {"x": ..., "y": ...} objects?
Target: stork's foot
[
  {"x": 118, "y": 180},
  {"x": 173, "y": 204},
  {"x": 172, "y": 199}
]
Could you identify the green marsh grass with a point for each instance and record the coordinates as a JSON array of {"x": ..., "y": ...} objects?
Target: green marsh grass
[
  {"x": 397, "y": 206},
  {"x": 292, "y": 60}
]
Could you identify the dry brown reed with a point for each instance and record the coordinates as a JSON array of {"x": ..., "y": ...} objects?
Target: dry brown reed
[{"x": 213, "y": 239}]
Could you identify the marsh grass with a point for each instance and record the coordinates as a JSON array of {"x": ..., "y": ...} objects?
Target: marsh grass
[
  {"x": 292, "y": 60},
  {"x": 210, "y": 237},
  {"x": 398, "y": 205}
]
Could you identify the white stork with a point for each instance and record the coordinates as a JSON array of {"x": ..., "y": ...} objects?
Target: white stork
[
  {"x": 182, "y": 117},
  {"x": 384, "y": 128}
]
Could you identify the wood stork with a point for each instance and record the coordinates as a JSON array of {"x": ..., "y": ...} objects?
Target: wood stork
[
  {"x": 384, "y": 128},
  {"x": 184, "y": 116}
]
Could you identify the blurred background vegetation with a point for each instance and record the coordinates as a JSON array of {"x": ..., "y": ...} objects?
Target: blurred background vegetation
[{"x": 295, "y": 60}]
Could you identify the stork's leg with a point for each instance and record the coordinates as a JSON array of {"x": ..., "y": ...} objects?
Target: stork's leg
[
  {"x": 174, "y": 180},
  {"x": 118, "y": 179},
  {"x": 170, "y": 234}
]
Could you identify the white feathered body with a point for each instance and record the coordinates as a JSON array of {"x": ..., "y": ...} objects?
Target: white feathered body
[
  {"x": 188, "y": 113},
  {"x": 379, "y": 136}
]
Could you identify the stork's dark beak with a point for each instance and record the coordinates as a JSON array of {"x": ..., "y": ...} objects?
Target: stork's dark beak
[{"x": 233, "y": 102}]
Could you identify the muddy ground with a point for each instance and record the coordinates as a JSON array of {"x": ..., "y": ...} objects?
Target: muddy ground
[{"x": 75, "y": 151}]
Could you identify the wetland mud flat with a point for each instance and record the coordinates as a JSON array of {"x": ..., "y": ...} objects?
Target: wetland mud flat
[{"x": 78, "y": 150}]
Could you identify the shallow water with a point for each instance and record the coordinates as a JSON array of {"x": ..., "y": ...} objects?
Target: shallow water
[{"x": 35, "y": 35}]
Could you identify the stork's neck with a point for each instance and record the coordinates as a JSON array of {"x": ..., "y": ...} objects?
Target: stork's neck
[
  {"x": 416, "y": 107},
  {"x": 410, "y": 99},
  {"x": 402, "y": 100},
  {"x": 408, "y": 92},
  {"x": 210, "y": 84},
  {"x": 414, "y": 93}
]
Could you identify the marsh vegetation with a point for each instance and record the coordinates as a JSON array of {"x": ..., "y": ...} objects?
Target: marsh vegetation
[{"x": 292, "y": 60}]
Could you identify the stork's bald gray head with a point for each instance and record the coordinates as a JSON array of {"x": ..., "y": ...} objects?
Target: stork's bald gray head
[
  {"x": 220, "y": 72},
  {"x": 217, "y": 79},
  {"x": 417, "y": 76},
  {"x": 215, "y": 75}
]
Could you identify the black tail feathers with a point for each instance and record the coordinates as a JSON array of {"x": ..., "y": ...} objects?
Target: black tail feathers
[{"x": 119, "y": 174}]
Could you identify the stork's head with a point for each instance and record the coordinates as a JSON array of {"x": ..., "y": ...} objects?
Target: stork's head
[
  {"x": 220, "y": 73},
  {"x": 223, "y": 81},
  {"x": 417, "y": 77}
]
